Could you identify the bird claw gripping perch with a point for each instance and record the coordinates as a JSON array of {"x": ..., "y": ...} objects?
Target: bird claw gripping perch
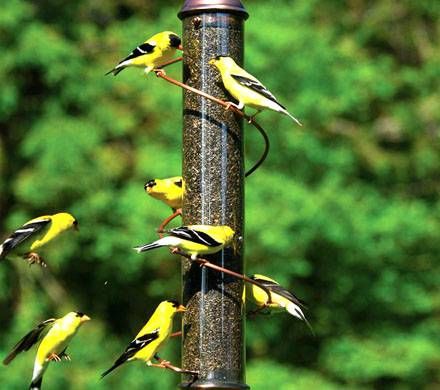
[
  {"x": 160, "y": 72},
  {"x": 53, "y": 356},
  {"x": 35, "y": 258}
]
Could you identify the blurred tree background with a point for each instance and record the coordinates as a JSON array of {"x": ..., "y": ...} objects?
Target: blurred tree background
[{"x": 353, "y": 225}]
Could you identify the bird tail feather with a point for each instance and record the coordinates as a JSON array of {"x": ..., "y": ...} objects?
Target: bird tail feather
[
  {"x": 117, "y": 364},
  {"x": 36, "y": 384},
  {"x": 292, "y": 117},
  {"x": 115, "y": 70},
  {"x": 297, "y": 312},
  {"x": 147, "y": 247}
]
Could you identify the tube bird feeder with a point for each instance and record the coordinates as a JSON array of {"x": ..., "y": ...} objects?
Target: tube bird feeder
[{"x": 213, "y": 172}]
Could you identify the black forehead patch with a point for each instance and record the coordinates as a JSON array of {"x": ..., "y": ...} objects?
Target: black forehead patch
[
  {"x": 75, "y": 223},
  {"x": 175, "y": 41},
  {"x": 178, "y": 183},
  {"x": 150, "y": 183},
  {"x": 79, "y": 314},
  {"x": 174, "y": 302}
]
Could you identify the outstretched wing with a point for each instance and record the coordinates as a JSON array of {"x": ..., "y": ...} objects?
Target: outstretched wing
[
  {"x": 256, "y": 86},
  {"x": 22, "y": 234},
  {"x": 145, "y": 48},
  {"x": 194, "y": 236},
  {"x": 277, "y": 289},
  {"x": 135, "y": 346},
  {"x": 29, "y": 340}
]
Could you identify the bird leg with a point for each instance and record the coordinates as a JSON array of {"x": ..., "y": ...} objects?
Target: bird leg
[
  {"x": 175, "y": 251},
  {"x": 34, "y": 258},
  {"x": 53, "y": 356},
  {"x": 176, "y": 334},
  {"x": 166, "y": 221}
]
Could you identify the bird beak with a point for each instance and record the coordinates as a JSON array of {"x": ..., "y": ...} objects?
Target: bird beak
[
  {"x": 181, "y": 309},
  {"x": 85, "y": 318},
  {"x": 180, "y": 47}
]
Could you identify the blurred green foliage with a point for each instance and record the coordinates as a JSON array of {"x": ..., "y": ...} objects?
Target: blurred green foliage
[{"x": 355, "y": 191}]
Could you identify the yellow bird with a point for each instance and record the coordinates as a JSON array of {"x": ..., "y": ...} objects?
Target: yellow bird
[
  {"x": 151, "y": 54},
  {"x": 52, "y": 346},
  {"x": 194, "y": 239},
  {"x": 36, "y": 233},
  {"x": 170, "y": 191},
  {"x": 151, "y": 337},
  {"x": 246, "y": 88},
  {"x": 281, "y": 299}
]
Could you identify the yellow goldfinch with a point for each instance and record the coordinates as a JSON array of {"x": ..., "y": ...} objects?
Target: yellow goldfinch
[
  {"x": 280, "y": 297},
  {"x": 194, "y": 239},
  {"x": 151, "y": 54},
  {"x": 52, "y": 346},
  {"x": 36, "y": 233},
  {"x": 151, "y": 337},
  {"x": 246, "y": 88},
  {"x": 170, "y": 191}
]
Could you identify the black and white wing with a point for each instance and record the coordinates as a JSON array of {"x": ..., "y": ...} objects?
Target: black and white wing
[
  {"x": 32, "y": 338},
  {"x": 22, "y": 234},
  {"x": 135, "y": 346},
  {"x": 194, "y": 236},
  {"x": 256, "y": 86},
  {"x": 145, "y": 48},
  {"x": 277, "y": 289}
]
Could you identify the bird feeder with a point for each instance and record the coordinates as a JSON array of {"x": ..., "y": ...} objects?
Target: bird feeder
[{"x": 213, "y": 171}]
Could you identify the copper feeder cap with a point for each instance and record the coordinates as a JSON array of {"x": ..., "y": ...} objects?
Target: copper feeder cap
[{"x": 199, "y": 6}]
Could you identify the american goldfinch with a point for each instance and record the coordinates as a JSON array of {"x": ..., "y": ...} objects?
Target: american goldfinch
[
  {"x": 281, "y": 299},
  {"x": 194, "y": 240},
  {"x": 151, "y": 337},
  {"x": 36, "y": 233},
  {"x": 151, "y": 54},
  {"x": 246, "y": 88},
  {"x": 169, "y": 191},
  {"x": 52, "y": 346}
]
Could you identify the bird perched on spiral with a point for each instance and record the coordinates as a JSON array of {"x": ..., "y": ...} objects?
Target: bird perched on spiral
[
  {"x": 280, "y": 298},
  {"x": 151, "y": 338},
  {"x": 247, "y": 89},
  {"x": 194, "y": 240}
]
